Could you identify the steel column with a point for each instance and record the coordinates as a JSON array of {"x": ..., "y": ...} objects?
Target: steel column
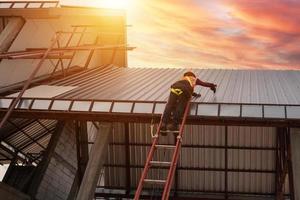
[
  {"x": 127, "y": 159},
  {"x": 226, "y": 163}
]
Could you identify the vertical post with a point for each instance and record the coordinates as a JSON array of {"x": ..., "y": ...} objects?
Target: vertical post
[
  {"x": 226, "y": 163},
  {"x": 127, "y": 160},
  {"x": 91, "y": 53},
  {"x": 280, "y": 164},
  {"x": 283, "y": 161},
  {"x": 115, "y": 50},
  {"x": 77, "y": 132},
  {"x": 82, "y": 156},
  {"x": 290, "y": 168},
  {"x": 277, "y": 163},
  {"x": 295, "y": 157},
  {"x": 96, "y": 161},
  {"x": 78, "y": 42}
]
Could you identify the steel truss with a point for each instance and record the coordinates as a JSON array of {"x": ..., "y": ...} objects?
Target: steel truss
[{"x": 61, "y": 52}]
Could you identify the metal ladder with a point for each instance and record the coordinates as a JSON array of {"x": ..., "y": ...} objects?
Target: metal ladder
[{"x": 150, "y": 162}]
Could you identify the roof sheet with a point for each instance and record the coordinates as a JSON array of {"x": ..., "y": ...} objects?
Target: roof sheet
[
  {"x": 234, "y": 86},
  {"x": 25, "y": 136}
]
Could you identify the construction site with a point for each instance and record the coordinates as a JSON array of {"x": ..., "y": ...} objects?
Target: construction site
[{"x": 78, "y": 123}]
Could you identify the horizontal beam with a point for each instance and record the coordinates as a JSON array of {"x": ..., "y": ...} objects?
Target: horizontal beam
[
  {"x": 145, "y": 118},
  {"x": 197, "y": 169},
  {"x": 204, "y": 146},
  {"x": 58, "y": 51},
  {"x": 121, "y": 196},
  {"x": 211, "y": 112},
  {"x": 216, "y": 192},
  {"x": 40, "y": 56}
]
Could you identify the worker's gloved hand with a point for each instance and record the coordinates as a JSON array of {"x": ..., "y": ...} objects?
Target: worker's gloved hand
[
  {"x": 214, "y": 88},
  {"x": 196, "y": 95}
]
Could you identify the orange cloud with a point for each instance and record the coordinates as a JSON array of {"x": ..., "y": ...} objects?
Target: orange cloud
[{"x": 222, "y": 34}]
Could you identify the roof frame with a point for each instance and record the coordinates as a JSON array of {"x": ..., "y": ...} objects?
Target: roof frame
[{"x": 143, "y": 111}]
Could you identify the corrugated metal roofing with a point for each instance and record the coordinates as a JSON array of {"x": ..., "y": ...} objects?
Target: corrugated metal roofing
[
  {"x": 201, "y": 167},
  {"x": 234, "y": 86},
  {"x": 26, "y": 136}
]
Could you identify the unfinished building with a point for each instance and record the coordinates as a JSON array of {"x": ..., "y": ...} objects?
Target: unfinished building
[{"x": 76, "y": 123}]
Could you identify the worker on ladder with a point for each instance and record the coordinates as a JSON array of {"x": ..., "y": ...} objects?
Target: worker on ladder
[{"x": 180, "y": 93}]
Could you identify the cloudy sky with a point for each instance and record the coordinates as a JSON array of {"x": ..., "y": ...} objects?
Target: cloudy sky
[
  {"x": 263, "y": 34},
  {"x": 260, "y": 34}
]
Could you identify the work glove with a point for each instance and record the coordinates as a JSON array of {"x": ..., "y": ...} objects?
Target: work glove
[
  {"x": 196, "y": 95},
  {"x": 214, "y": 88}
]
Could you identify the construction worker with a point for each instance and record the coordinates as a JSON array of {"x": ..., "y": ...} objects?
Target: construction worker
[{"x": 181, "y": 91}]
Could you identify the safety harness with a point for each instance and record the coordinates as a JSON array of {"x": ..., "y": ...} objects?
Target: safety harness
[
  {"x": 176, "y": 91},
  {"x": 179, "y": 91}
]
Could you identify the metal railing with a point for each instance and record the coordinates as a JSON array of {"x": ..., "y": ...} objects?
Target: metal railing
[
  {"x": 29, "y": 4},
  {"x": 198, "y": 109}
]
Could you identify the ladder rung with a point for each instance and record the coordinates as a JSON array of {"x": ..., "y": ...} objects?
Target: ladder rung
[
  {"x": 165, "y": 146},
  {"x": 168, "y": 131},
  {"x": 155, "y": 181},
  {"x": 160, "y": 163}
]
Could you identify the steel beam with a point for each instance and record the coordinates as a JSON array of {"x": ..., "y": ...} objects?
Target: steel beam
[
  {"x": 198, "y": 168},
  {"x": 290, "y": 168},
  {"x": 146, "y": 118},
  {"x": 127, "y": 159},
  {"x": 204, "y": 146},
  {"x": 226, "y": 163}
]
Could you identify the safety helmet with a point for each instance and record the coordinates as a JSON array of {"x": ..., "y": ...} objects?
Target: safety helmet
[{"x": 189, "y": 74}]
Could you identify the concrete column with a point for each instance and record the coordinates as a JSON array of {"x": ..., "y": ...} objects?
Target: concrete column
[
  {"x": 95, "y": 163},
  {"x": 10, "y": 32},
  {"x": 295, "y": 151}
]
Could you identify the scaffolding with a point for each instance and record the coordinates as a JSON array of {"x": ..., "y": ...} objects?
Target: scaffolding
[{"x": 60, "y": 53}]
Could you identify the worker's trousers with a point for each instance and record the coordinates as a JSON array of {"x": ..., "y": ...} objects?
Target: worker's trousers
[{"x": 174, "y": 109}]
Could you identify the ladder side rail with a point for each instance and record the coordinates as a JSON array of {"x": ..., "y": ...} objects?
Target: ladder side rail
[
  {"x": 175, "y": 156},
  {"x": 147, "y": 165}
]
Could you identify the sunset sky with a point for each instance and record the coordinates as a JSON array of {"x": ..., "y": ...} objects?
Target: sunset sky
[{"x": 260, "y": 34}]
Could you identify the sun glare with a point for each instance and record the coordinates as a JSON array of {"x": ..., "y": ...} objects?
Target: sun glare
[{"x": 117, "y": 4}]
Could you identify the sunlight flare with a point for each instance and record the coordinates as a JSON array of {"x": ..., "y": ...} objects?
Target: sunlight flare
[{"x": 116, "y": 4}]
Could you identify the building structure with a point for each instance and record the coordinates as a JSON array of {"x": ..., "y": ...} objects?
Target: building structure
[{"x": 93, "y": 123}]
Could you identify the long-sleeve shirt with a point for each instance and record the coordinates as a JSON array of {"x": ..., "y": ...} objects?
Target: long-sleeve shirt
[{"x": 187, "y": 88}]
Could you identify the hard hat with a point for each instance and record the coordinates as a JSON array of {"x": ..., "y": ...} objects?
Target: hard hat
[{"x": 189, "y": 74}]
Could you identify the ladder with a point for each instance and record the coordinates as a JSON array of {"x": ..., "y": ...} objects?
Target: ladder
[{"x": 172, "y": 165}]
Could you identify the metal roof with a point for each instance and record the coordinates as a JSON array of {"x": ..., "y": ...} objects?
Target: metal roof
[
  {"x": 241, "y": 94},
  {"x": 234, "y": 86},
  {"x": 250, "y": 150}
]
